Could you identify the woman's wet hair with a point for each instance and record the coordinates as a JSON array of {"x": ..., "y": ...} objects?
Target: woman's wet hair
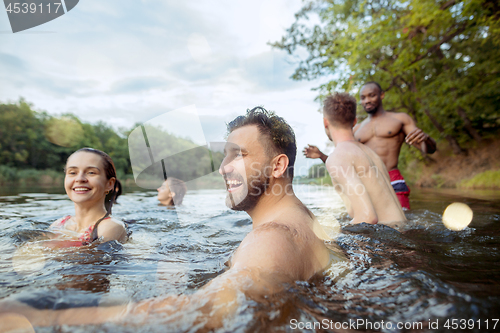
[{"x": 110, "y": 171}]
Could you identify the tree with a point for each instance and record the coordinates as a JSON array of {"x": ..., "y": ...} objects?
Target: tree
[
  {"x": 31, "y": 139},
  {"x": 437, "y": 59},
  {"x": 317, "y": 171},
  {"x": 22, "y": 137}
]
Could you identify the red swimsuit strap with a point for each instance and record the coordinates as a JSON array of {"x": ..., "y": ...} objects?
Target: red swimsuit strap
[{"x": 64, "y": 220}]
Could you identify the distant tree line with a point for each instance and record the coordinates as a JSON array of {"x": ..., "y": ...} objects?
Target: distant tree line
[
  {"x": 317, "y": 171},
  {"x": 32, "y": 140},
  {"x": 37, "y": 140}
]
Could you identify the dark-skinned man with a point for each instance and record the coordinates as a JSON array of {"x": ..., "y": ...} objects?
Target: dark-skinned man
[{"x": 384, "y": 132}]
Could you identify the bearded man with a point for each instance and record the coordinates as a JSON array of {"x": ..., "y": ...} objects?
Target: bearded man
[
  {"x": 281, "y": 248},
  {"x": 384, "y": 132}
]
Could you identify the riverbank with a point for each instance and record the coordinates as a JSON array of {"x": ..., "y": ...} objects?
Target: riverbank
[
  {"x": 478, "y": 169},
  {"x": 53, "y": 179},
  {"x": 25, "y": 177}
]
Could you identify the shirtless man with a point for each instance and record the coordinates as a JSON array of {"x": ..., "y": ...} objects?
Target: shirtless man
[
  {"x": 281, "y": 248},
  {"x": 384, "y": 132},
  {"x": 358, "y": 174}
]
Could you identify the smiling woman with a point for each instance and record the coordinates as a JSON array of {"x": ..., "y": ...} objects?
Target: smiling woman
[{"x": 90, "y": 182}]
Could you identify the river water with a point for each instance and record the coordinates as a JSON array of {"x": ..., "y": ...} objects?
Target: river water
[{"x": 426, "y": 279}]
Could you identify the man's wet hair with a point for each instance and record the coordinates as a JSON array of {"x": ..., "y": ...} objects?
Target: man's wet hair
[
  {"x": 375, "y": 83},
  {"x": 280, "y": 136},
  {"x": 340, "y": 109}
]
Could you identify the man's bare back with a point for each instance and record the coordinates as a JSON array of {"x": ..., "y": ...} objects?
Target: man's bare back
[
  {"x": 284, "y": 241},
  {"x": 366, "y": 189},
  {"x": 358, "y": 173},
  {"x": 384, "y": 132}
]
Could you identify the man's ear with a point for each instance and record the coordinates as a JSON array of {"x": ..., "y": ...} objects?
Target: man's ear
[
  {"x": 279, "y": 165},
  {"x": 172, "y": 194},
  {"x": 326, "y": 122},
  {"x": 382, "y": 95},
  {"x": 355, "y": 122}
]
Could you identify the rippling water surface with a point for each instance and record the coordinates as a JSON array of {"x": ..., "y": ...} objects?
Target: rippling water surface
[{"x": 419, "y": 278}]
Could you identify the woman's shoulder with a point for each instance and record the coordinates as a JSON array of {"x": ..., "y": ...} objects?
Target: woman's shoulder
[
  {"x": 112, "y": 228},
  {"x": 112, "y": 221},
  {"x": 60, "y": 222}
]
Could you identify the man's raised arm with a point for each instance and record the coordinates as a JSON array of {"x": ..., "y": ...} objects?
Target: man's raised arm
[
  {"x": 416, "y": 137},
  {"x": 313, "y": 152}
]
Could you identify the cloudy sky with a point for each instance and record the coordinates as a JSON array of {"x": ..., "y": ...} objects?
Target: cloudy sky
[{"x": 128, "y": 61}]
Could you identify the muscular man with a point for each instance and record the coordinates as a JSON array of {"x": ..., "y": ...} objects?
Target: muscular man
[
  {"x": 281, "y": 248},
  {"x": 384, "y": 132},
  {"x": 358, "y": 174}
]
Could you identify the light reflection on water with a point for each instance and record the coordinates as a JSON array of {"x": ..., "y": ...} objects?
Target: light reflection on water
[{"x": 425, "y": 273}]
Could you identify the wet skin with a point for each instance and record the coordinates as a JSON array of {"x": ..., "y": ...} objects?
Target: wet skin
[
  {"x": 165, "y": 196},
  {"x": 384, "y": 132},
  {"x": 281, "y": 248},
  {"x": 86, "y": 184}
]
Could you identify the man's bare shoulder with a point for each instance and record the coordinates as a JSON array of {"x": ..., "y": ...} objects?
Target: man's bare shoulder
[
  {"x": 401, "y": 116},
  {"x": 280, "y": 228},
  {"x": 345, "y": 153},
  {"x": 269, "y": 247}
]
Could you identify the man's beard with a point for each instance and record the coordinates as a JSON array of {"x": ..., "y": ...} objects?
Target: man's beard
[
  {"x": 255, "y": 190},
  {"x": 372, "y": 111},
  {"x": 375, "y": 107}
]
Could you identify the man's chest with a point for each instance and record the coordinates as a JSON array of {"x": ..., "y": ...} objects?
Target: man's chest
[{"x": 386, "y": 127}]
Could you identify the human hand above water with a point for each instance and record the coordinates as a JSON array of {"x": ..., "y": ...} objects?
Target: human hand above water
[
  {"x": 421, "y": 140},
  {"x": 314, "y": 152}
]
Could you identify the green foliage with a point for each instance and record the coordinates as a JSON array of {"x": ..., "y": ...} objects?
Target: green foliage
[
  {"x": 317, "y": 171},
  {"x": 7, "y": 174},
  {"x": 22, "y": 139},
  {"x": 438, "y": 60},
  {"x": 185, "y": 159},
  {"x": 326, "y": 180},
  {"x": 34, "y": 147},
  {"x": 27, "y": 177},
  {"x": 487, "y": 180},
  {"x": 31, "y": 140},
  {"x": 30, "y": 177}
]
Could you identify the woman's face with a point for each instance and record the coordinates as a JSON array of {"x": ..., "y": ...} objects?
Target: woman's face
[{"x": 85, "y": 180}]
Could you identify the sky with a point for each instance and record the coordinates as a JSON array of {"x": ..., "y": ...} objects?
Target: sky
[{"x": 126, "y": 62}]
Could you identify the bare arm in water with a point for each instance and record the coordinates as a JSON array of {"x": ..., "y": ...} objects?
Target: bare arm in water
[{"x": 265, "y": 260}]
